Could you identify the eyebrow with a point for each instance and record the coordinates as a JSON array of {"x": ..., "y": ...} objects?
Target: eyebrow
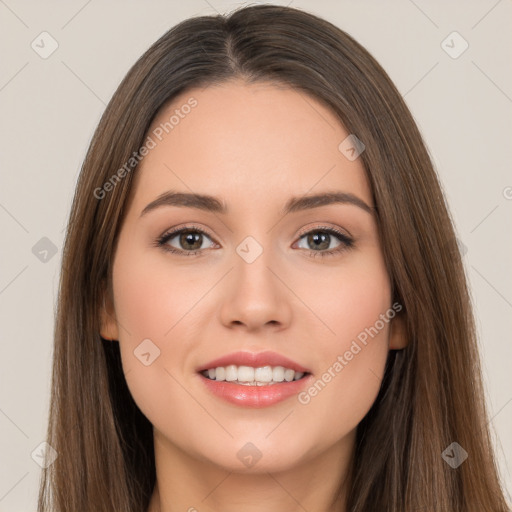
[{"x": 213, "y": 204}]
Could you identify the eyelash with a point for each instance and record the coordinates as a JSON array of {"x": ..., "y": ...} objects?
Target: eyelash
[{"x": 346, "y": 242}]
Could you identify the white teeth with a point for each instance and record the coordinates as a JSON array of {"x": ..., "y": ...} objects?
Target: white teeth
[
  {"x": 245, "y": 374},
  {"x": 288, "y": 375},
  {"x": 278, "y": 374},
  {"x": 263, "y": 374},
  {"x": 249, "y": 376},
  {"x": 231, "y": 372}
]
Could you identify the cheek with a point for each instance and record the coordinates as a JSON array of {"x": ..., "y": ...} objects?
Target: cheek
[
  {"x": 151, "y": 297},
  {"x": 148, "y": 305},
  {"x": 352, "y": 354},
  {"x": 350, "y": 301}
]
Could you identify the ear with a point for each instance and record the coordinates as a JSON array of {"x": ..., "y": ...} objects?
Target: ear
[
  {"x": 108, "y": 320},
  {"x": 398, "y": 332}
]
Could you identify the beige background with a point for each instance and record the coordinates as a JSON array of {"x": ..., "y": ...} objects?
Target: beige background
[{"x": 50, "y": 107}]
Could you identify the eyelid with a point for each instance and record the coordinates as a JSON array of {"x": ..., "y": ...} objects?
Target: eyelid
[
  {"x": 319, "y": 227},
  {"x": 344, "y": 238},
  {"x": 170, "y": 233},
  {"x": 305, "y": 230}
]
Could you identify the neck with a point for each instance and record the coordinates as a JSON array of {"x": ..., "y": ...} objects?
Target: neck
[{"x": 185, "y": 483}]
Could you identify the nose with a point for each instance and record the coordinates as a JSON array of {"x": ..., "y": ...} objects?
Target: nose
[{"x": 255, "y": 296}]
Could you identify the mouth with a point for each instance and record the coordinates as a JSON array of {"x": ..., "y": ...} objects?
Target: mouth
[
  {"x": 253, "y": 376},
  {"x": 249, "y": 379},
  {"x": 246, "y": 386}
]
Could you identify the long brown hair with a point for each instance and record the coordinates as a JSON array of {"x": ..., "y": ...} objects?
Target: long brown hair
[{"x": 431, "y": 394}]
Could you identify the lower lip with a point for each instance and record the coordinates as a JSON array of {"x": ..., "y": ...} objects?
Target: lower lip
[{"x": 255, "y": 396}]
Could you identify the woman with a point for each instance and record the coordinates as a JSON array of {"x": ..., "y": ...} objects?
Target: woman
[{"x": 239, "y": 373}]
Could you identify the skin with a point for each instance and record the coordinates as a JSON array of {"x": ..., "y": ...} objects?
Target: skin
[{"x": 253, "y": 146}]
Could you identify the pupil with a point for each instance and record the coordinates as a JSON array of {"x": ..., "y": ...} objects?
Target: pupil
[
  {"x": 190, "y": 238},
  {"x": 320, "y": 239}
]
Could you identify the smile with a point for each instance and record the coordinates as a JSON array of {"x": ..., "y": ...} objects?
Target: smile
[{"x": 250, "y": 376}]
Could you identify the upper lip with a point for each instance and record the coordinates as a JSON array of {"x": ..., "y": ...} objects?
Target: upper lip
[{"x": 256, "y": 360}]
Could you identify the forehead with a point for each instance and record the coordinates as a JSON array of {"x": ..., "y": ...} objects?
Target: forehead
[{"x": 248, "y": 143}]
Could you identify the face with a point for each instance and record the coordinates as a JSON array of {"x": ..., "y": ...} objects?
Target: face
[{"x": 309, "y": 284}]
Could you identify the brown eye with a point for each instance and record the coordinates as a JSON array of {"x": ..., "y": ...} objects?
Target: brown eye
[
  {"x": 186, "y": 241},
  {"x": 190, "y": 240},
  {"x": 319, "y": 240}
]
